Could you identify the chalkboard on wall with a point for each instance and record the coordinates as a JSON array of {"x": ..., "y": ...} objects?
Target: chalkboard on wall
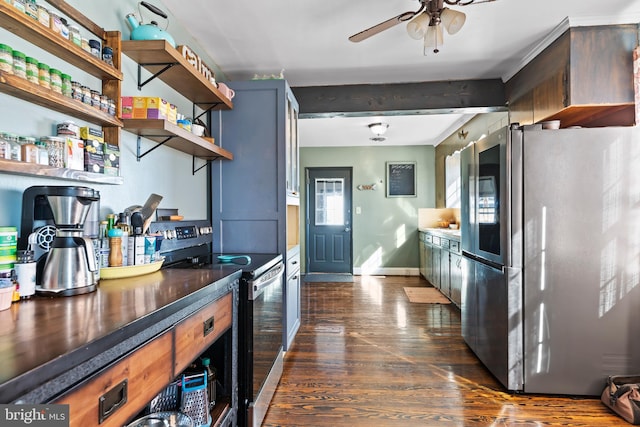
[{"x": 401, "y": 179}]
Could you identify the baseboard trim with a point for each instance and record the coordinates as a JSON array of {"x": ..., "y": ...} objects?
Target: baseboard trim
[{"x": 388, "y": 271}]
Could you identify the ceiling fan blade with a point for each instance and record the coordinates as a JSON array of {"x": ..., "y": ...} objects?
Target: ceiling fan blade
[{"x": 363, "y": 35}]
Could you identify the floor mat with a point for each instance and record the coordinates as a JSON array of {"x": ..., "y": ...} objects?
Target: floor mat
[
  {"x": 327, "y": 277},
  {"x": 426, "y": 296}
]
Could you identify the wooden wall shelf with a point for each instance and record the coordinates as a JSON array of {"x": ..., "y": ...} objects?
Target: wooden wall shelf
[
  {"x": 156, "y": 55},
  {"x": 31, "y": 92},
  {"x": 31, "y": 30},
  {"x": 166, "y": 133},
  {"x": 42, "y": 171}
]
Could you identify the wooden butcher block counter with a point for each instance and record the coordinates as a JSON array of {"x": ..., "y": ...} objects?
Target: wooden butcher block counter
[{"x": 142, "y": 331}]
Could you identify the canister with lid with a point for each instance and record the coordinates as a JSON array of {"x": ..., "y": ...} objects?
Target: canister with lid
[
  {"x": 74, "y": 35},
  {"x": 86, "y": 95},
  {"x": 29, "y": 150},
  {"x": 19, "y": 4},
  {"x": 25, "y": 268},
  {"x": 107, "y": 55},
  {"x": 6, "y": 59},
  {"x": 94, "y": 45},
  {"x": 19, "y": 64},
  {"x": 5, "y": 148},
  {"x": 32, "y": 70},
  {"x": 44, "y": 75},
  {"x": 76, "y": 91},
  {"x": 54, "y": 22},
  {"x": 64, "y": 28},
  {"x": 55, "y": 149},
  {"x": 16, "y": 151},
  {"x": 31, "y": 8},
  {"x": 95, "y": 99},
  {"x": 43, "y": 16},
  {"x": 104, "y": 103},
  {"x": 66, "y": 85},
  {"x": 43, "y": 153},
  {"x": 56, "y": 80},
  {"x": 85, "y": 44}
]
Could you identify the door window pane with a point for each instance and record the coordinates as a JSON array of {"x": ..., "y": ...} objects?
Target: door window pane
[{"x": 329, "y": 201}]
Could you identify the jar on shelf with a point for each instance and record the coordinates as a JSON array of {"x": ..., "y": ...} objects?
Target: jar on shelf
[
  {"x": 55, "y": 149},
  {"x": 55, "y": 23},
  {"x": 43, "y": 153},
  {"x": 66, "y": 85},
  {"x": 31, "y": 8},
  {"x": 84, "y": 44},
  {"x": 86, "y": 95},
  {"x": 5, "y": 148},
  {"x": 16, "y": 152},
  {"x": 94, "y": 45},
  {"x": 112, "y": 107},
  {"x": 95, "y": 99},
  {"x": 19, "y": 64},
  {"x": 104, "y": 103},
  {"x": 43, "y": 16},
  {"x": 19, "y": 4},
  {"x": 28, "y": 149},
  {"x": 74, "y": 35},
  {"x": 76, "y": 91},
  {"x": 56, "y": 80},
  {"x": 44, "y": 75},
  {"x": 64, "y": 29},
  {"x": 6, "y": 59},
  {"x": 107, "y": 55},
  {"x": 32, "y": 70}
]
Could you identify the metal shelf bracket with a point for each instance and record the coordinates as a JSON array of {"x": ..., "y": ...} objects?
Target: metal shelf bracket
[
  {"x": 193, "y": 165},
  {"x": 166, "y": 67},
  {"x": 140, "y": 155}
]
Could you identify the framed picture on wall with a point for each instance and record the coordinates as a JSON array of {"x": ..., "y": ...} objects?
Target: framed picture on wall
[{"x": 401, "y": 179}]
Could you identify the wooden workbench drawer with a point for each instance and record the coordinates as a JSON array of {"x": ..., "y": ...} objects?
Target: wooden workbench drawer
[
  {"x": 146, "y": 371},
  {"x": 196, "y": 333}
]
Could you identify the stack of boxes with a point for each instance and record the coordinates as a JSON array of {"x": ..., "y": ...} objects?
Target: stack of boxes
[
  {"x": 148, "y": 107},
  {"x": 99, "y": 156}
]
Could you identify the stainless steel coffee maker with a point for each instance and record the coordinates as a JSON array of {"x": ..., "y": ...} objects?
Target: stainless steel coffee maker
[{"x": 70, "y": 267}]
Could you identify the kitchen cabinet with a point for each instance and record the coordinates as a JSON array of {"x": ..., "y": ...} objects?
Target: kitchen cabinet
[
  {"x": 292, "y": 297},
  {"x": 116, "y": 394},
  {"x": 165, "y": 62},
  {"x": 441, "y": 262},
  {"x": 255, "y": 207},
  {"x": 564, "y": 83},
  {"x": 39, "y": 35}
]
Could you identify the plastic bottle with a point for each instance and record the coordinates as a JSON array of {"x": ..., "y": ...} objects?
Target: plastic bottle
[
  {"x": 211, "y": 381},
  {"x": 25, "y": 268},
  {"x": 104, "y": 245},
  {"x": 115, "y": 247}
]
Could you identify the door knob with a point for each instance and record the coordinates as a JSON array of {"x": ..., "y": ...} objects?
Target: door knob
[{"x": 347, "y": 229}]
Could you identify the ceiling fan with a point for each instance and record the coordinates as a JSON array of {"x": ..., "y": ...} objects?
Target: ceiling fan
[{"x": 426, "y": 23}]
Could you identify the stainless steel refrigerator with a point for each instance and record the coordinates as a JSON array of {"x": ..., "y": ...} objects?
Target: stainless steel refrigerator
[{"x": 551, "y": 251}]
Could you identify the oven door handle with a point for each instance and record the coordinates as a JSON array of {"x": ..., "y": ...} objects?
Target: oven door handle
[{"x": 258, "y": 286}]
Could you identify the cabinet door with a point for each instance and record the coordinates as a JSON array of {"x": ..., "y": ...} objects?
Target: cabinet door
[
  {"x": 196, "y": 333},
  {"x": 444, "y": 273},
  {"x": 435, "y": 267},
  {"x": 456, "y": 279},
  {"x": 118, "y": 393},
  {"x": 293, "y": 307},
  {"x": 293, "y": 180},
  {"x": 422, "y": 251}
]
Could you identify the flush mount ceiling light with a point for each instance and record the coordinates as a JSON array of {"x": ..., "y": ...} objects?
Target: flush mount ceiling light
[
  {"x": 378, "y": 129},
  {"x": 426, "y": 23}
]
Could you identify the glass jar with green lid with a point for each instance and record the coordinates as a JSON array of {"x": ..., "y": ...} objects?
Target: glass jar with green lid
[
  {"x": 6, "y": 59},
  {"x": 56, "y": 80},
  {"x": 32, "y": 70},
  {"x": 5, "y": 148},
  {"x": 44, "y": 76},
  {"x": 43, "y": 153},
  {"x": 19, "y": 4},
  {"x": 16, "y": 152},
  {"x": 19, "y": 64},
  {"x": 66, "y": 85},
  {"x": 31, "y": 8},
  {"x": 55, "y": 149}
]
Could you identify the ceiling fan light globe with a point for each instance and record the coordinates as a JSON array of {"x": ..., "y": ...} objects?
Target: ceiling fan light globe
[
  {"x": 433, "y": 38},
  {"x": 417, "y": 27},
  {"x": 452, "y": 20}
]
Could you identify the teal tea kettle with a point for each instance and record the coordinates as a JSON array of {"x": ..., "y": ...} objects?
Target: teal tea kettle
[{"x": 149, "y": 31}]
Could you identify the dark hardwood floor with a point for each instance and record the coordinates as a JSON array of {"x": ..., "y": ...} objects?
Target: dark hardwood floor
[{"x": 365, "y": 356}]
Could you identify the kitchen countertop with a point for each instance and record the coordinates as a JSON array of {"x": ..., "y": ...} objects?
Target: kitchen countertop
[
  {"x": 447, "y": 232},
  {"x": 49, "y": 344}
]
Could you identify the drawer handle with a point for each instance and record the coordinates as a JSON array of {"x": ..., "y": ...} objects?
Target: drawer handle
[
  {"x": 294, "y": 262},
  {"x": 112, "y": 400},
  {"x": 208, "y": 326}
]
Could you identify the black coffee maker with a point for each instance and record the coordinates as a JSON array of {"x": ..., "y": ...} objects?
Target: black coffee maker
[{"x": 61, "y": 221}]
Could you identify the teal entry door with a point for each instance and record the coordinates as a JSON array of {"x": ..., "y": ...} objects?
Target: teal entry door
[{"x": 329, "y": 234}]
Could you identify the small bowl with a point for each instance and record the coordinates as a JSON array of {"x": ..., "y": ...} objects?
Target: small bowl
[
  {"x": 453, "y": 226},
  {"x": 551, "y": 124}
]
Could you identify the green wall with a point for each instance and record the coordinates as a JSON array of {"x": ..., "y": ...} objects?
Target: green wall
[{"x": 385, "y": 233}]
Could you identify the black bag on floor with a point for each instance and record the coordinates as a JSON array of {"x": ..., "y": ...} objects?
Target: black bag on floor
[{"x": 622, "y": 396}]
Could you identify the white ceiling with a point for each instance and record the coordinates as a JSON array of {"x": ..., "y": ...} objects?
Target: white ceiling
[{"x": 309, "y": 40}]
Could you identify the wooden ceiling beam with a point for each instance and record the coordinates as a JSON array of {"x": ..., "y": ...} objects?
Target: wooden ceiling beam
[{"x": 459, "y": 96}]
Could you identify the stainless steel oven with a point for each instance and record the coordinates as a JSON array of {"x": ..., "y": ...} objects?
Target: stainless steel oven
[{"x": 261, "y": 354}]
